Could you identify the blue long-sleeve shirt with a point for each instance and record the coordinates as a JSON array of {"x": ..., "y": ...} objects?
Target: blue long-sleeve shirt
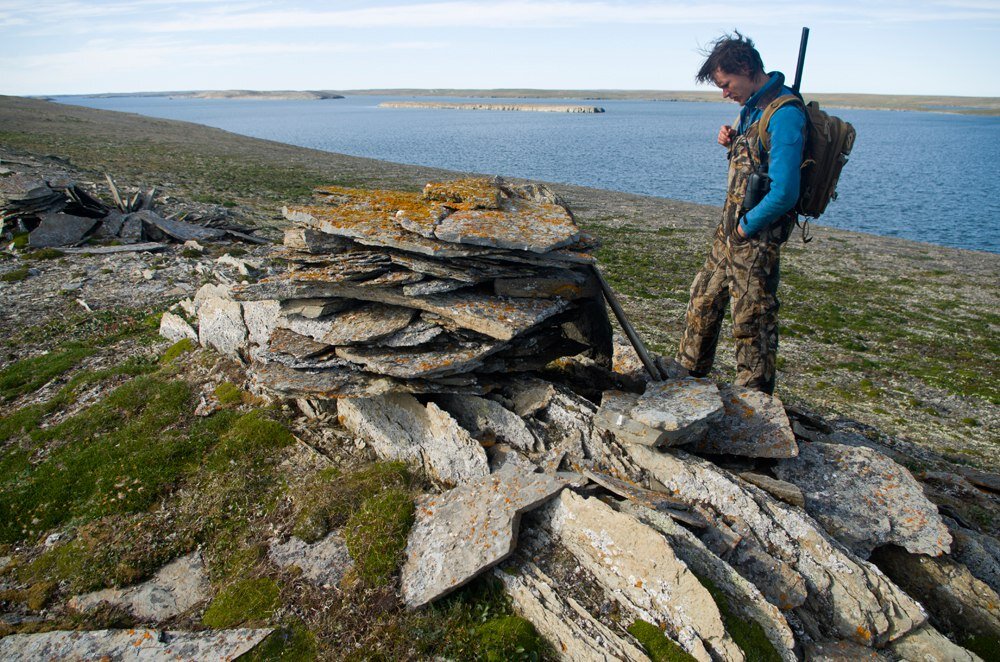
[{"x": 787, "y": 129}]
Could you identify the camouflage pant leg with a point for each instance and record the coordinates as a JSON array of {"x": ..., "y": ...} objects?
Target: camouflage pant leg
[
  {"x": 753, "y": 285},
  {"x": 705, "y": 311}
]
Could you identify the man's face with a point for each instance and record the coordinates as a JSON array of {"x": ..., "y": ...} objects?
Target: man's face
[{"x": 737, "y": 87}]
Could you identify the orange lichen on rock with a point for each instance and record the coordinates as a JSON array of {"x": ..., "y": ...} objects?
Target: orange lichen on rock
[{"x": 466, "y": 193}]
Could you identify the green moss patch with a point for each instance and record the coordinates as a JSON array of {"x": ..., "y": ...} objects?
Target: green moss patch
[
  {"x": 657, "y": 645},
  {"x": 26, "y": 375},
  {"x": 15, "y": 276},
  {"x": 329, "y": 498},
  {"x": 178, "y": 349},
  {"x": 250, "y": 600},
  {"x": 117, "y": 456},
  {"x": 44, "y": 254},
  {"x": 508, "y": 638},
  {"x": 748, "y": 634},
  {"x": 984, "y": 646},
  {"x": 376, "y": 534},
  {"x": 228, "y": 394},
  {"x": 293, "y": 642}
]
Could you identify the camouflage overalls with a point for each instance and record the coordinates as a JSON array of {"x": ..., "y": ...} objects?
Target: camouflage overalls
[{"x": 744, "y": 270}]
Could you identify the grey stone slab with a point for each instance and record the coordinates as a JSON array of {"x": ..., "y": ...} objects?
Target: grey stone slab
[
  {"x": 313, "y": 241},
  {"x": 110, "y": 225},
  {"x": 433, "y": 287},
  {"x": 500, "y": 455},
  {"x": 341, "y": 382},
  {"x": 176, "y": 588},
  {"x": 564, "y": 283},
  {"x": 419, "y": 332},
  {"x": 179, "y": 231},
  {"x": 323, "y": 563},
  {"x": 679, "y": 509},
  {"x": 928, "y": 645},
  {"x": 753, "y": 424},
  {"x": 221, "y": 327},
  {"x": 260, "y": 318},
  {"x": 174, "y": 328},
  {"x": 617, "y": 549},
  {"x": 518, "y": 225},
  {"x": 577, "y": 636},
  {"x": 461, "y": 533},
  {"x": 132, "y": 644},
  {"x": 400, "y": 428},
  {"x": 745, "y": 599},
  {"x": 149, "y": 246},
  {"x": 864, "y": 499},
  {"x": 376, "y": 228},
  {"x": 683, "y": 408},
  {"x": 464, "y": 270},
  {"x": 614, "y": 415},
  {"x": 788, "y": 556},
  {"x": 360, "y": 325},
  {"x": 132, "y": 229},
  {"x": 977, "y": 551},
  {"x": 779, "y": 489},
  {"x": 487, "y": 420},
  {"x": 420, "y": 362},
  {"x": 60, "y": 230},
  {"x": 314, "y": 308},
  {"x": 285, "y": 341}
]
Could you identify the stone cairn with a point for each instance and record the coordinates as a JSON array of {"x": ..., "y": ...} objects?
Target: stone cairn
[
  {"x": 422, "y": 319},
  {"x": 427, "y": 293}
]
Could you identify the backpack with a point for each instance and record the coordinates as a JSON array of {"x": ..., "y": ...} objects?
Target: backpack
[{"x": 829, "y": 141}]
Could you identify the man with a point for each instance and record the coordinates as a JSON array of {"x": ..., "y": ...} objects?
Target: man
[{"x": 743, "y": 262}]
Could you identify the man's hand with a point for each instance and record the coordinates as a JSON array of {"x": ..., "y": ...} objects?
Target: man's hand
[{"x": 726, "y": 135}]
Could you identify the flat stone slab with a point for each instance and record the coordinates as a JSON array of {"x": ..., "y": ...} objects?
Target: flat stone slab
[
  {"x": 323, "y": 563},
  {"x": 459, "y": 534},
  {"x": 314, "y": 241},
  {"x": 400, "y": 428},
  {"x": 787, "y": 555},
  {"x": 178, "y": 230},
  {"x": 60, "y": 230},
  {"x": 313, "y": 308},
  {"x": 577, "y": 635},
  {"x": 489, "y": 421},
  {"x": 638, "y": 567},
  {"x": 683, "y": 408},
  {"x": 518, "y": 225},
  {"x": 678, "y": 509},
  {"x": 374, "y": 228},
  {"x": 865, "y": 500},
  {"x": 221, "y": 326},
  {"x": 174, "y": 589},
  {"x": 754, "y": 424},
  {"x": 145, "y": 247},
  {"x": 286, "y": 341},
  {"x": 419, "y": 332},
  {"x": 132, "y": 644},
  {"x": 363, "y": 324},
  {"x": 498, "y": 317},
  {"x": 343, "y": 382},
  {"x": 409, "y": 363},
  {"x": 614, "y": 416},
  {"x": 174, "y": 328}
]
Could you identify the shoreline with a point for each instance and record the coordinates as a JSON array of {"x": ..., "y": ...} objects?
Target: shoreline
[
  {"x": 895, "y": 334},
  {"x": 944, "y": 104}
]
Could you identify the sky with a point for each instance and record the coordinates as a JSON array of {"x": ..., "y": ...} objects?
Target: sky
[{"x": 945, "y": 47}]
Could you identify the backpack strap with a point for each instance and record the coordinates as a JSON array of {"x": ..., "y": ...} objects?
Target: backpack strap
[{"x": 769, "y": 111}]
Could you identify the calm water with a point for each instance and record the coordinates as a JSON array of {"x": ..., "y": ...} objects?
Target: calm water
[{"x": 925, "y": 176}]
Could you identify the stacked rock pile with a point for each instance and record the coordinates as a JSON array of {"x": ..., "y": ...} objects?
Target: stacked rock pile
[
  {"x": 58, "y": 211},
  {"x": 427, "y": 292}
]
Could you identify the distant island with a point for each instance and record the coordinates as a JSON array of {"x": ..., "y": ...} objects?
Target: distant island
[{"x": 532, "y": 107}]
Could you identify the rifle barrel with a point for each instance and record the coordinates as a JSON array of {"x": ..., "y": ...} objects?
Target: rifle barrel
[{"x": 802, "y": 60}]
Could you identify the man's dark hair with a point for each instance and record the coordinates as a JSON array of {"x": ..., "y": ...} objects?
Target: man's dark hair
[{"x": 733, "y": 54}]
